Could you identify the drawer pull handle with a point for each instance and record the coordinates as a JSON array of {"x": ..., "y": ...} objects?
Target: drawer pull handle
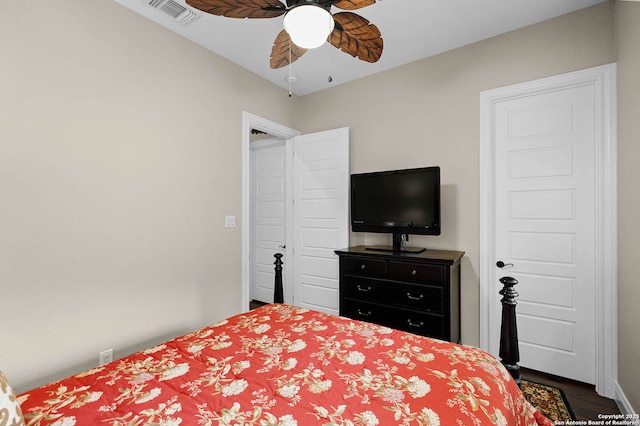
[
  {"x": 413, "y": 272},
  {"x": 364, "y": 289},
  {"x": 363, "y": 266},
  {"x": 412, "y": 297},
  {"x": 363, "y": 314},
  {"x": 412, "y": 324}
]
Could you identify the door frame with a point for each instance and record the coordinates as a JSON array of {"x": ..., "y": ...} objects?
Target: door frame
[
  {"x": 606, "y": 312},
  {"x": 251, "y": 121}
]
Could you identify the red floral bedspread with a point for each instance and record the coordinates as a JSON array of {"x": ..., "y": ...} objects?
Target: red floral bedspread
[{"x": 281, "y": 365}]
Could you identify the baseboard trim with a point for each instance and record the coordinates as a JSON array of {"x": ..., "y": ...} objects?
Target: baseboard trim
[{"x": 623, "y": 403}]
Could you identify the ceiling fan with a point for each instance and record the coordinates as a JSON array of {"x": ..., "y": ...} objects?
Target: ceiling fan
[{"x": 346, "y": 31}]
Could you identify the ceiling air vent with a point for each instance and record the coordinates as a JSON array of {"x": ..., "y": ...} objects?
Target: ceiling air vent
[{"x": 178, "y": 12}]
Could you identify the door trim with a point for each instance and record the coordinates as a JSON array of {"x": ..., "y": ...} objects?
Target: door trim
[
  {"x": 251, "y": 121},
  {"x": 606, "y": 313}
]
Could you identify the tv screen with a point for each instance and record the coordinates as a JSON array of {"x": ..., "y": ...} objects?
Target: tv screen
[{"x": 397, "y": 201}]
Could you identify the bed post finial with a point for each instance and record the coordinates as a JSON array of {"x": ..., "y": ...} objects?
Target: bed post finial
[
  {"x": 278, "y": 292},
  {"x": 509, "y": 352}
]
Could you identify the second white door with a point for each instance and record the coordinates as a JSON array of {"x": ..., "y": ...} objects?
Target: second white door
[{"x": 268, "y": 214}]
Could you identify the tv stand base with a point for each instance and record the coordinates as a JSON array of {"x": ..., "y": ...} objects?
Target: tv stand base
[{"x": 396, "y": 250}]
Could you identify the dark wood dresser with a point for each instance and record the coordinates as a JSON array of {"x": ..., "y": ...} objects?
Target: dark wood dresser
[{"x": 415, "y": 292}]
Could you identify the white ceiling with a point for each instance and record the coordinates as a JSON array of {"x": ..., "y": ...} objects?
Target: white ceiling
[{"x": 411, "y": 30}]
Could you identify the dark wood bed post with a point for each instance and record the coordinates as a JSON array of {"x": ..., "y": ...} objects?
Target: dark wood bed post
[
  {"x": 509, "y": 352},
  {"x": 278, "y": 292}
]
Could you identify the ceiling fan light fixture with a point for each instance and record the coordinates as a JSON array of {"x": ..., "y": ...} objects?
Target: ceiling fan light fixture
[{"x": 308, "y": 25}]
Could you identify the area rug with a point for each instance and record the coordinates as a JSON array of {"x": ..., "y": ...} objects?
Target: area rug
[{"x": 549, "y": 400}]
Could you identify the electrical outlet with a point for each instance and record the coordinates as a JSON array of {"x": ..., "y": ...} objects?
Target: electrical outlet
[{"x": 106, "y": 357}]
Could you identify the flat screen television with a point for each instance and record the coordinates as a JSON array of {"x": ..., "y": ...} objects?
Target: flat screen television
[{"x": 399, "y": 202}]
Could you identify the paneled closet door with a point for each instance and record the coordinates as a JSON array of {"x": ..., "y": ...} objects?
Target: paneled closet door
[{"x": 545, "y": 219}]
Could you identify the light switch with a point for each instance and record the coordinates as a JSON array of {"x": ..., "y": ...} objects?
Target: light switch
[{"x": 229, "y": 221}]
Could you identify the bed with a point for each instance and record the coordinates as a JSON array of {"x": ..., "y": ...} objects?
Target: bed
[{"x": 283, "y": 365}]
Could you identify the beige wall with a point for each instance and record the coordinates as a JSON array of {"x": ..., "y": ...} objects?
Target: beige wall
[
  {"x": 628, "y": 50},
  {"x": 120, "y": 155},
  {"x": 427, "y": 113}
]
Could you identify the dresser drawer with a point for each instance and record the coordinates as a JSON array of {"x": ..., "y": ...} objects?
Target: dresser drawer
[
  {"x": 424, "y": 324},
  {"x": 355, "y": 265},
  {"x": 423, "y": 297},
  {"x": 416, "y": 272}
]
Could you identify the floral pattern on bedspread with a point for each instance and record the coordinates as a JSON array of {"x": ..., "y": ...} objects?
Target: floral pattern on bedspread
[{"x": 284, "y": 366}]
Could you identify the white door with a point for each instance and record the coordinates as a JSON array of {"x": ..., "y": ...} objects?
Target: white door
[
  {"x": 268, "y": 214},
  {"x": 544, "y": 223},
  {"x": 548, "y": 205},
  {"x": 321, "y": 216}
]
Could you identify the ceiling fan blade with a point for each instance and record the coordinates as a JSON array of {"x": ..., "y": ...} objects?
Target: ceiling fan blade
[
  {"x": 356, "y": 36},
  {"x": 240, "y": 8},
  {"x": 280, "y": 53},
  {"x": 352, "y": 4}
]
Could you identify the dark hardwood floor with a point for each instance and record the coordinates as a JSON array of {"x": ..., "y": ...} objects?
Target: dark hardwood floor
[
  {"x": 583, "y": 399},
  {"x": 255, "y": 304}
]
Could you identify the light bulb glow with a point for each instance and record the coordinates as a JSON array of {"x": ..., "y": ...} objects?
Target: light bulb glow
[{"x": 308, "y": 25}]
